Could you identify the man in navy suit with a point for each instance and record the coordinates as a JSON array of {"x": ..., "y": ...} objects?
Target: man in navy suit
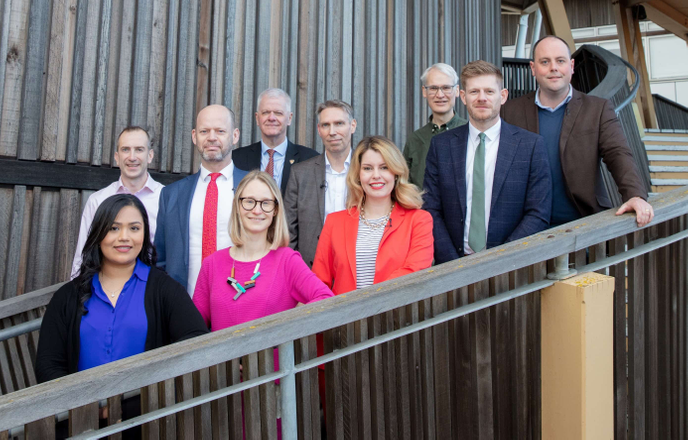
[
  {"x": 194, "y": 212},
  {"x": 274, "y": 153},
  {"x": 487, "y": 182}
]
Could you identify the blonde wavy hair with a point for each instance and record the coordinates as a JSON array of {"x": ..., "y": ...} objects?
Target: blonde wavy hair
[
  {"x": 278, "y": 231},
  {"x": 404, "y": 193}
]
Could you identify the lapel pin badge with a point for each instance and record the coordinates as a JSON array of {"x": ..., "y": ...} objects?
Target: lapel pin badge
[{"x": 291, "y": 161}]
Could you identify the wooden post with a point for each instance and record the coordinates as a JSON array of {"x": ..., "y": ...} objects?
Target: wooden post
[
  {"x": 556, "y": 21},
  {"x": 631, "y": 44},
  {"x": 577, "y": 358}
]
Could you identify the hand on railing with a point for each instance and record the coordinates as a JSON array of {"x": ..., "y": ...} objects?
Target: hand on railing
[{"x": 643, "y": 210}]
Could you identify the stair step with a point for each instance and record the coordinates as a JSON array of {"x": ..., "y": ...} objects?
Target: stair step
[
  {"x": 669, "y": 182},
  {"x": 669, "y": 139},
  {"x": 655, "y": 147},
  {"x": 664, "y": 158},
  {"x": 665, "y": 131},
  {"x": 664, "y": 169}
]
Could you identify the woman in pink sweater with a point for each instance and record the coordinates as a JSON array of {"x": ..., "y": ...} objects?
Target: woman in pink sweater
[{"x": 259, "y": 275}]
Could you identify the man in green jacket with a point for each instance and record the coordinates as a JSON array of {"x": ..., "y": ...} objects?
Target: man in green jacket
[{"x": 440, "y": 87}]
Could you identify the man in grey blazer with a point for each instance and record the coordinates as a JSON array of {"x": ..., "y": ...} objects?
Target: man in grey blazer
[{"x": 317, "y": 186}]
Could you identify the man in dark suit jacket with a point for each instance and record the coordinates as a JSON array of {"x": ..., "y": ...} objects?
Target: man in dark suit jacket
[
  {"x": 487, "y": 182},
  {"x": 579, "y": 130},
  {"x": 317, "y": 186},
  {"x": 179, "y": 238},
  {"x": 274, "y": 153}
]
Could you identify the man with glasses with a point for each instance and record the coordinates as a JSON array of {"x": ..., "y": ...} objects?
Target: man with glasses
[
  {"x": 440, "y": 88},
  {"x": 193, "y": 215},
  {"x": 317, "y": 186}
]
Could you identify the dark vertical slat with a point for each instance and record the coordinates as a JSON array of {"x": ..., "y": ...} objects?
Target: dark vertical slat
[
  {"x": 218, "y": 380},
  {"x": 149, "y": 403},
  {"x": 363, "y": 389},
  {"x": 185, "y": 419},
  {"x": 427, "y": 379},
  {"x": 377, "y": 393},
  {"x": 40, "y": 429},
  {"x": 34, "y": 82},
  {"x": 349, "y": 384},
  {"x": 268, "y": 397},
  {"x": 443, "y": 403},
  {"x": 307, "y": 393},
  {"x": 659, "y": 277},
  {"x": 636, "y": 335},
  {"x": 401, "y": 347},
  {"x": 234, "y": 402},
  {"x": 520, "y": 356},
  {"x": 168, "y": 425},
  {"x": 466, "y": 389},
  {"x": 618, "y": 271},
  {"x": 538, "y": 273},
  {"x": 84, "y": 418},
  {"x": 681, "y": 291},
  {"x": 77, "y": 79},
  {"x": 334, "y": 411},
  {"x": 501, "y": 365},
  {"x": 482, "y": 360},
  {"x": 389, "y": 377},
  {"x": 252, "y": 426},
  {"x": 167, "y": 151},
  {"x": 101, "y": 85},
  {"x": 202, "y": 423},
  {"x": 115, "y": 414}
]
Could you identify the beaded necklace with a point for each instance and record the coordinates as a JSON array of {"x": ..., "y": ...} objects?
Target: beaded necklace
[
  {"x": 241, "y": 288},
  {"x": 374, "y": 226}
]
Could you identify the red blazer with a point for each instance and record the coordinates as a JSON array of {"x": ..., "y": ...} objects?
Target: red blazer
[{"x": 406, "y": 247}]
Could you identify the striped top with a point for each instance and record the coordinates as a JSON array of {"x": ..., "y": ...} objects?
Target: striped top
[{"x": 367, "y": 245}]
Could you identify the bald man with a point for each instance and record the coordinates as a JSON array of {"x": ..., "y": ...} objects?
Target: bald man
[{"x": 194, "y": 212}]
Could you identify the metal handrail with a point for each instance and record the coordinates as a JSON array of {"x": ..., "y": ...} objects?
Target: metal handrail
[
  {"x": 92, "y": 385},
  {"x": 634, "y": 87}
]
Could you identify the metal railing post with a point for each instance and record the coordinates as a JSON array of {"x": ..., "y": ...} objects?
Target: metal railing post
[
  {"x": 288, "y": 391},
  {"x": 561, "y": 268}
]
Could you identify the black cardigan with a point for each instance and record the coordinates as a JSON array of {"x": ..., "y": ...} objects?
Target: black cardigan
[{"x": 171, "y": 315}]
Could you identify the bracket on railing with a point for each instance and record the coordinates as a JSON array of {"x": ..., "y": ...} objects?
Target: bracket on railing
[{"x": 561, "y": 269}]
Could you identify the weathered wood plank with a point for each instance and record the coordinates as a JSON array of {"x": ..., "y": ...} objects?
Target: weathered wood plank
[
  {"x": 59, "y": 80},
  {"x": 363, "y": 382},
  {"x": 218, "y": 380},
  {"x": 217, "y": 48},
  {"x": 349, "y": 384},
  {"x": 389, "y": 378},
  {"x": 185, "y": 419},
  {"x": 427, "y": 373},
  {"x": 636, "y": 337},
  {"x": 501, "y": 360},
  {"x": 84, "y": 418},
  {"x": 114, "y": 414},
  {"x": 114, "y": 51},
  {"x": 40, "y": 429},
  {"x": 202, "y": 416},
  {"x": 88, "y": 83},
  {"x": 149, "y": 403},
  {"x": 101, "y": 85},
  {"x": 618, "y": 271},
  {"x": 122, "y": 110},
  {"x": 334, "y": 411},
  {"x": 15, "y": 62},
  {"x": 168, "y": 425},
  {"x": 401, "y": 361},
  {"x": 181, "y": 135},
  {"x": 443, "y": 402},
  {"x": 73, "y": 130},
  {"x": 268, "y": 397},
  {"x": 156, "y": 81},
  {"x": 167, "y": 152},
  {"x": 141, "y": 72},
  {"x": 307, "y": 395},
  {"x": 252, "y": 424},
  {"x": 34, "y": 80},
  {"x": 234, "y": 401},
  {"x": 520, "y": 355}
]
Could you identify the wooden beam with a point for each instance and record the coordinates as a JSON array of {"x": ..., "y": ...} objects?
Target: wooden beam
[
  {"x": 668, "y": 17},
  {"x": 631, "y": 44},
  {"x": 556, "y": 21}
]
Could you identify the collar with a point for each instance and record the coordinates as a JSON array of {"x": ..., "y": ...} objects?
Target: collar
[
  {"x": 226, "y": 171},
  {"x": 141, "y": 270},
  {"x": 561, "y": 104},
  {"x": 347, "y": 162},
  {"x": 453, "y": 122},
  {"x": 150, "y": 184},
  {"x": 281, "y": 149},
  {"x": 491, "y": 133}
]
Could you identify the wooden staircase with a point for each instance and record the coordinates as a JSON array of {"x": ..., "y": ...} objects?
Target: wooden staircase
[{"x": 667, "y": 153}]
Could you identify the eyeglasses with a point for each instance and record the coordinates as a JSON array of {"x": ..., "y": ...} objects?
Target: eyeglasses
[
  {"x": 266, "y": 205},
  {"x": 432, "y": 90}
]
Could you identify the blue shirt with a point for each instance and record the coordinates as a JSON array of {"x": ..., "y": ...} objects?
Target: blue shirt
[
  {"x": 110, "y": 333},
  {"x": 563, "y": 209},
  {"x": 277, "y": 158}
]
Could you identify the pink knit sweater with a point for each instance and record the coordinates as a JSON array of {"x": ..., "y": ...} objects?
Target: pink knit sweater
[{"x": 284, "y": 281}]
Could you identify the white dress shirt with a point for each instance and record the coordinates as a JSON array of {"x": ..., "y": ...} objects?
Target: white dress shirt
[
  {"x": 277, "y": 158},
  {"x": 550, "y": 109},
  {"x": 335, "y": 189},
  {"x": 491, "y": 149},
  {"x": 149, "y": 196},
  {"x": 225, "y": 197}
]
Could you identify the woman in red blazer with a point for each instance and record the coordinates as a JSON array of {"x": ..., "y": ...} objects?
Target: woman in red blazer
[{"x": 383, "y": 233}]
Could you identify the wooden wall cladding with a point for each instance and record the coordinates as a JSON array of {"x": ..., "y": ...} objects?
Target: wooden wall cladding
[{"x": 73, "y": 73}]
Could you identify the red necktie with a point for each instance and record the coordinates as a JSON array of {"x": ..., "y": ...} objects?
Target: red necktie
[
  {"x": 210, "y": 218},
  {"x": 270, "y": 169}
]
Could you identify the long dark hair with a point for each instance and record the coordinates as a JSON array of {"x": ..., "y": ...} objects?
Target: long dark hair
[{"x": 92, "y": 256}]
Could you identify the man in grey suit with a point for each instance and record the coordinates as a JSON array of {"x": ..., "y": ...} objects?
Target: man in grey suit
[{"x": 317, "y": 186}]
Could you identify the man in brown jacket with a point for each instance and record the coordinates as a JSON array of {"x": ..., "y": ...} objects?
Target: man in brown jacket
[{"x": 579, "y": 130}]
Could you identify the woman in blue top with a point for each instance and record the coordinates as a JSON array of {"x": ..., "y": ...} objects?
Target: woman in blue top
[{"x": 120, "y": 304}]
